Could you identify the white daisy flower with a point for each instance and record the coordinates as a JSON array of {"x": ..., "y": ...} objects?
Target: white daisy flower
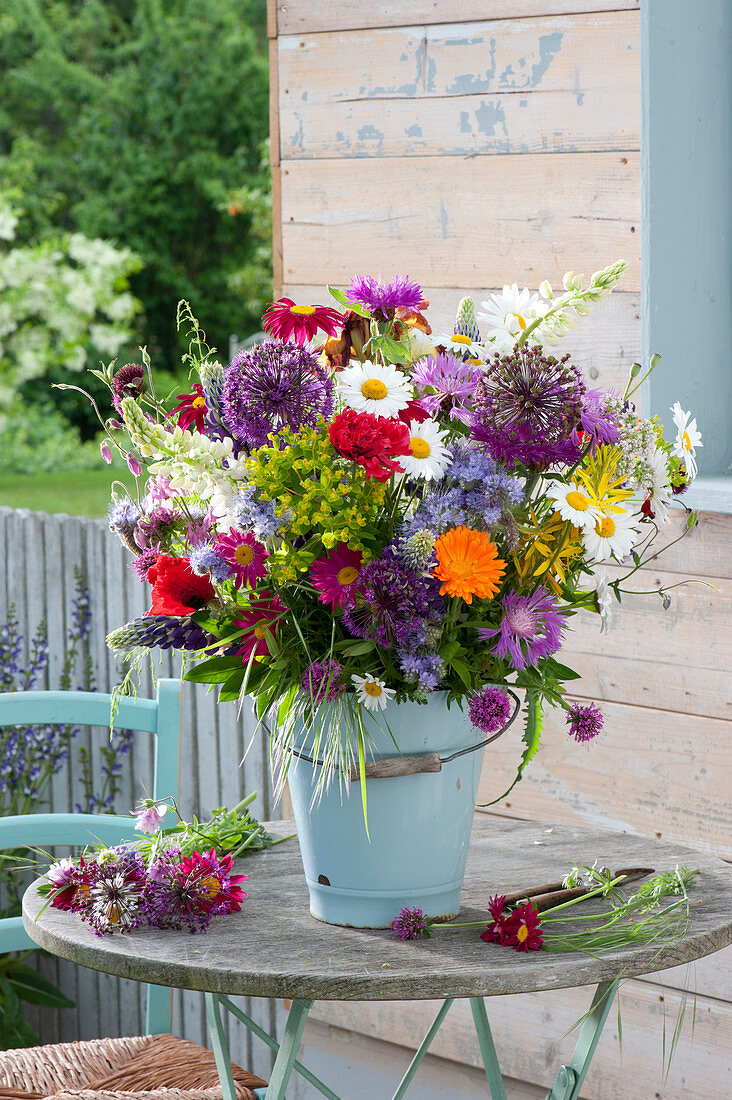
[
  {"x": 572, "y": 504},
  {"x": 460, "y": 345},
  {"x": 372, "y": 692},
  {"x": 429, "y": 456},
  {"x": 688, "y": 439},
  {"x": 612, "y": 535},
  {"x": 604, "y": 600},
  {"x": 660, "y": 493},
  {"x": 373, "y": 388},
  {"x": 510, "y": 313}
]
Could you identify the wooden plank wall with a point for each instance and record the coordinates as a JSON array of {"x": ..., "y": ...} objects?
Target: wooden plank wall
[
  {"x": 472, "y": 144},
  {"x": 40, "y": 552}
]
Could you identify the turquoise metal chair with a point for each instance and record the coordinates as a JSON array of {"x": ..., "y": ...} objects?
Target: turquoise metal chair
[{"x": 160, "y": 717}]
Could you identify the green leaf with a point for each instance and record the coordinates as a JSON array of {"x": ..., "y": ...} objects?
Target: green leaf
[
  {"x": 562, "y": 672},
  {"x": 342, "y": 298},
  {"x": 34, "y": 988},
  {"x": 230, "y": 689},
  {"x": 359, "y": 648},
  {"x": 214, "y": 671},
  {"x": 463, "y": 671}
]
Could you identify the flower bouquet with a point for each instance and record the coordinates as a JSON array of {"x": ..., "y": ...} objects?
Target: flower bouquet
[{"x": 359, "y": 513}]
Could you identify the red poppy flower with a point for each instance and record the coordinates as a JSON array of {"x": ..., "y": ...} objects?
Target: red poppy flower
[
  {"x": 371, "y": 441},
  {"x": 176, "y": 590},
  {"x": 523, "y": 929},
  {"x": 287, "y": 321},
  {"x": 413, "y": 411},
  {"x": 261, "y": 616},
  {"x": 191, "y": 409}
]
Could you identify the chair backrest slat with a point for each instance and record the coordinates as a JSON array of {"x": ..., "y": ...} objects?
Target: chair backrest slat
[
  {"x": 48, "y": 830},
  {"x": 87, "y": 708}
]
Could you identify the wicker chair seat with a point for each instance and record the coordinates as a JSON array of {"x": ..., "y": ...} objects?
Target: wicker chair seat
[{"x": 146, "y": 1067}]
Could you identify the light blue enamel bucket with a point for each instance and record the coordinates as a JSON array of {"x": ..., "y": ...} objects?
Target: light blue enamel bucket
[{"x": 419, "y": 824}]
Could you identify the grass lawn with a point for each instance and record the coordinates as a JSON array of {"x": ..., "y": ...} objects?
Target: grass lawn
[{"x": 84, "y": 493}]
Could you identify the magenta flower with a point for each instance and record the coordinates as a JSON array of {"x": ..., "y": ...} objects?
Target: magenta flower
[
  {"x": 323, "y": 680},
  {"x": 585, "y": 721},
  {"x": 385, "y": 298},
  {"x": 335, "y": 575},
  {"x": 287, "y": 321},
  {"x": 245, "y": 555},
  {"x": 411, "y": 923},
  {"x": 531, "y": 628},
  {"x": 452, "y": 381},
  {"x": 262, "y": 616},
  {"x": 149, "y": 818},
  {"x": 489, "y": 709}
]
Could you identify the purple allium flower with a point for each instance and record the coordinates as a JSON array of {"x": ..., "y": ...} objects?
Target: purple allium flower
[
  {"x": 384, "y": 298},
  {"x": 489, "y": 709},
  {"x": 526, "y": 408},
  {"x": 531, "y": 628},
  {"x": 323, "y": 680},
  {"x": 128, "y": 381},
  {"x": 452, "y": 381},
  {"x": 206, "y": 561},
  {"x": 273, "y": 385},
  {"x": 584, "y": 721},
  {"x": 411, "y": 923},
  {"x": 393, "y": 603}
]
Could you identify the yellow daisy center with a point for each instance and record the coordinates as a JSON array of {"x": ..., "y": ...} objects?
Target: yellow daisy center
[
  {"x": 522, "y": 933},
  {"x": 578, "y": 501},
  {"x": 243, "y": 555},
  {"x": 374, "y": 389},
  {"x": 686, "y": 441},
  {"x": 606, "y": 527},
  {"x": 210, "y": 886},
  {"x": 198, "y": 403},
  {"x": 458, "y": 338},
  {"x": 347, "y": 575},
  {"x": 259, "y": 632},
  {"x": 419, "y": 447},
  {"x": 372, "y": 688},
  {"x": 520, "y": 319},
  {"x": 303, "y": 311}
]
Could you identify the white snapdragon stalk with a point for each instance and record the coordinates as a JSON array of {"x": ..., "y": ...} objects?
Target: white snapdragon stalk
[{"x": 563, "y": 311}]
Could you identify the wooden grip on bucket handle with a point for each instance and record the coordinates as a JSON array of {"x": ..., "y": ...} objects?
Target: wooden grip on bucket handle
[{"x": 390, "y": 767}]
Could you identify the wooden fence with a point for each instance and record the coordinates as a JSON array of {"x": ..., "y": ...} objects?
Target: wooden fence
[{"x": 40, "y": 552}]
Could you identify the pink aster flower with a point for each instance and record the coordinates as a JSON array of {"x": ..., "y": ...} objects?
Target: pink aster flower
[
  {"x": 262, "y": 615},
  {"x": 288, "y": 321},
  {"x": 336, "y": 574},
  {"x": 244, "y": 554}
]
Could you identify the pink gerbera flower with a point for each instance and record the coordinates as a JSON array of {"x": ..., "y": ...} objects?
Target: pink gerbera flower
[
  {"x": 287, "y": 321},
  {"x": 244, "y": 554},
  {"x": 262, "y": 616},
  {"x": 336, "y": 574}
]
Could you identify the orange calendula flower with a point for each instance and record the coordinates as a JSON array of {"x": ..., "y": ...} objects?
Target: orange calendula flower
[{"x": 468, "y": 564}]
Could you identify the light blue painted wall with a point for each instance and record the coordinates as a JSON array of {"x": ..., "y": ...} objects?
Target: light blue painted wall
[{"x": 687, "y": 216}]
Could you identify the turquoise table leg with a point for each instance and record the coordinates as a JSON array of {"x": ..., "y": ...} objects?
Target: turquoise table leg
[
  {"x": 285, "y": 1060},
  {"x": 487, "y": 1049},
  {"x": 220, "y": 1046},
  {"x": 424, "y": 1046},
  {"x": 571, "y": 1077}
]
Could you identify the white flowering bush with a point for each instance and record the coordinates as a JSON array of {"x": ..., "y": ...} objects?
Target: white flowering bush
[{"x": 63, "y": 300}]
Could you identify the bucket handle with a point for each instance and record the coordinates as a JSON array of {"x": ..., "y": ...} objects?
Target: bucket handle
[{"x": 391, "y": 767}]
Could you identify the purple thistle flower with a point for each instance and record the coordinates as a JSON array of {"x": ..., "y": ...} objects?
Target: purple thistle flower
[
  {"x": 596, "y": 420},
  {"x": 526, "y": 408},
  {"x": 144, "y": 560},
  {"x": 453, "y": 381},
  {"x": 489, "y": 709},
  {"x": 384, "y": 298},
  {"x": 323, "y": 680},
  {"x": 271, "y": 386},
  {"x": 122, "y": 515},
  {"x": 584, "y": 720},
  {"x": 116, "y": 880},
  {"x": 156, "y": 527},
  {"x": 411, "y": 923},
  {"x": 531, "y": 628}
]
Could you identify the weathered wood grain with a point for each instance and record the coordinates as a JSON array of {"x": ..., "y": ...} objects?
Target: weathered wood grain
[
  {"x": 533, "y": 1036},
  {"x": 460, "y": 221},
  {"x": 656, "y": 773},
  {"x": 294, "y": 956},
  {"x": 301, "y": 16},
  {"x": 562, "y": 84}
]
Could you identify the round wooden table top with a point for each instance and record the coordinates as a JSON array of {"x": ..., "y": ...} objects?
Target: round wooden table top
[{"x": 274, "y": 948}]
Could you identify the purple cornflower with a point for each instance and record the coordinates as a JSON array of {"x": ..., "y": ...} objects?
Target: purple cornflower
[
  {"x": 393, "y": 602},
  {"x": 384, "y": 298},
  {"x": 531, "y": 628},
  {"x": 489, "y": 709},
  {"x": 323, "y": 680},
  {"x": 128, "y": 381},
  {"x": 273, "y": 385},
  {"x": 596, "y": 421},
  {"x": 526, "y": 408},
  {"x": 452, "y": 381},
  {"x": 411, "y": 923},
  {"x": 584, "y": 721}
]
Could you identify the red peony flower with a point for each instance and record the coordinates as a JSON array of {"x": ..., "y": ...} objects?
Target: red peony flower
[
  {"x": 522, "y": 929},
  {"x": 287, "y": 321},
  {"x": 191, "y": 409},
  {"x": 262, "y": 615},
  {"x": 176, "y": 590},
  {"x": 371, "y": 441}
]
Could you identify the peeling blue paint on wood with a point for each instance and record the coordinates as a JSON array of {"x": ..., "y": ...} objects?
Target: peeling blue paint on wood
[
  {"x": 489, "y": 115},
  {"x": 549, "y": 47},
  {"x": 443, "y": 220},
  {"x": 464, "y": 123},
  {"x": 370, "y": 133},
  {"x": 414, "y": 131}
]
